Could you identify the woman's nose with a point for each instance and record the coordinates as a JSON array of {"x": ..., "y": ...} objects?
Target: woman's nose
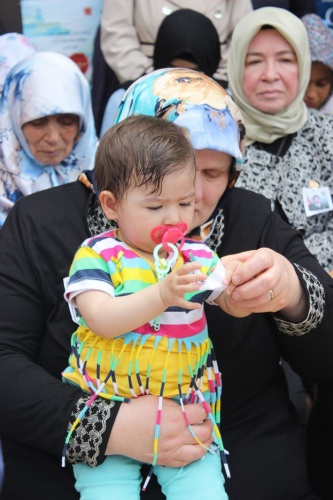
[
  {"x": 51, "y": 133},
  {"x": 310, "y": 92},
  {"x": 270, "y": 71}
]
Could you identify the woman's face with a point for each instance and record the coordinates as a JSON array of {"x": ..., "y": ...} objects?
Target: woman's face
[
  {"x": 51, "y": 138},
  {"x": 211, "y": 180},
  {"x": 271, "y": 76},
  {"x": 183, "y": 63},
  {"x": 320, "y": 85}
]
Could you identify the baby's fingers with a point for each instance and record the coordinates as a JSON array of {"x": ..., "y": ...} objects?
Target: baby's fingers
[
  {"x": 190, "y": 273},
  {"x": 189, "y": 267}
]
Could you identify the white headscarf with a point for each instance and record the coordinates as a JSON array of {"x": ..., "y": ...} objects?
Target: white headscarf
[
  {"x": 43, "y": 84},
  {"x": 264, "y": 127}
]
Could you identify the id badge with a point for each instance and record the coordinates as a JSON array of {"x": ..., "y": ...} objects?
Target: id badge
[{"x": 317, "y": 200}]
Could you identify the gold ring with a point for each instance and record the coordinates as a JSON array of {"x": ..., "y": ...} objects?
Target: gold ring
[{"x": 271, "y": 293}]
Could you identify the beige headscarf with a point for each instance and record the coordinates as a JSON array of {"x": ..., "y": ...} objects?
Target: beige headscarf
[{"x": 261, "y": 126}]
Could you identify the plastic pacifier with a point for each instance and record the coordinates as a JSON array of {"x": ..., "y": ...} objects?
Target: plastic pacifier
[{"x": 169, "y": 234}]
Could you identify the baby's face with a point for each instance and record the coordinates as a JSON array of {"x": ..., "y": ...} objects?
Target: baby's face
[{"x": 141, "y": 210}]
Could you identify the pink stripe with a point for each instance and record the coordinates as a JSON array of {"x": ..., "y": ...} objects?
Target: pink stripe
[
  {"x": 108, "y": 253},
  {"x": 211, "y": 386},
  {"x": 186, "y": 419},
  {"x": 206, "y": 407},
  {"x": 175, "y": 331},
  {"x": 206, "y": 254},
  {"x": 159, "y": 415}
]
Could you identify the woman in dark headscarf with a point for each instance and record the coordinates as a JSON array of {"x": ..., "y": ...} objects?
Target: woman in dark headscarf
[{"x": 186, "y": 36}]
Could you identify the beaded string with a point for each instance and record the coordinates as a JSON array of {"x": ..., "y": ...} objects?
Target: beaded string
[{"x": 162, "y": 267}]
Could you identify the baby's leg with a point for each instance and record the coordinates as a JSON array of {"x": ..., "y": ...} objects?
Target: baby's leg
[
  {"x": 200, "y": 479},
  {"x": 117, "y": 477}
]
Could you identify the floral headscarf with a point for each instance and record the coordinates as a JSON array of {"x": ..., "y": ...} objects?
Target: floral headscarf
[
  {"x": 191, "y": 100},
  {"x": 196, "y": 102},
  {"x": 320, "y": 39},
  {"x": 43, "y": 84}
]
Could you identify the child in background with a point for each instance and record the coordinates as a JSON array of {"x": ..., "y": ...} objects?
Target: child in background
[
  {"x": 319, "y": 94},
  {"x": 142, "y": 328}
]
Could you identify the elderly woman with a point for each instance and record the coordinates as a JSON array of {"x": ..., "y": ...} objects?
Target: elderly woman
[
  {"x": 289, "y": 147},
  {"x": 46, "y": 127},
  {"x": 287, "y": 293}
]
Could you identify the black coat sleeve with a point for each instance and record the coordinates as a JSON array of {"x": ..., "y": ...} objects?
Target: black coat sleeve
[
  {"x": 250, "y": 224},
  {"x": 37, "y": 244}
]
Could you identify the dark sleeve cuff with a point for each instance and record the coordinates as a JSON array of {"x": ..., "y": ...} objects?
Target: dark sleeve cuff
[{"x": 90, "y": 438}]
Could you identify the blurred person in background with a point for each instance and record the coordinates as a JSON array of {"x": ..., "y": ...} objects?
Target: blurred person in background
[
  {"x": 13, "y": 48},
  {"x": 185, "y": 39},
  {"x": 129, "y": 29},
  {"x": 46, "y": 126},
  {"x": 319, "y": 94}
]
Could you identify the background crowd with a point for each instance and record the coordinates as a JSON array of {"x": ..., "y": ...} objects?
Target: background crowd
[{"x": 266, "y": 70}]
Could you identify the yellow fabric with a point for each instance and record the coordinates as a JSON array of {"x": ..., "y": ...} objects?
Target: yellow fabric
[
  {"x": 159, "y": 359},
  {"x": 261, "y": 126}
]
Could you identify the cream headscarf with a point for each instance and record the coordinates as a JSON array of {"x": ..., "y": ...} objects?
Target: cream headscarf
[{"x": 261, "y": 126}]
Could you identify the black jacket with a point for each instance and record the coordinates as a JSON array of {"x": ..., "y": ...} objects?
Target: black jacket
[{"x": 259, "y": 426}]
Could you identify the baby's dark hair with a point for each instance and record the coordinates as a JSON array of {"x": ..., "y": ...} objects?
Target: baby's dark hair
[{"x": 141, "y": 150}]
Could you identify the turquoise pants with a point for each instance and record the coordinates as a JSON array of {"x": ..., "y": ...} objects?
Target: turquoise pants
[{"x": 120, "y": 477}]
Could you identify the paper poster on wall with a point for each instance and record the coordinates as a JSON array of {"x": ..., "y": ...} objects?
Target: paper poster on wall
[{"x": 63, "y": 26}]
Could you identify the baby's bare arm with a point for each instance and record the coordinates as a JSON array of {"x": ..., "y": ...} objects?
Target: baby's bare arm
[{"x": 109, "y": 317}]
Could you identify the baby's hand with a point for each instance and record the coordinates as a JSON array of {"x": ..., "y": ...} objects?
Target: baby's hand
[{"x": 186, "y": 279}]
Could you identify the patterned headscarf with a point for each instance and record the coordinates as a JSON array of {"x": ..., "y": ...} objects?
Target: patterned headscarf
[
  {"x": 260, "y": 126},
  {"x": 196, "y": 102},
  {"x": 320, "y": 39},
  {"x": 191, "y": 100},
  {"x": 13, "y": 48},
  {"x": 43, "y": 84}
]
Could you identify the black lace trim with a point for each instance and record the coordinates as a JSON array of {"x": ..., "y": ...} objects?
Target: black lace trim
[
  {"x": 97, "y": 222},
  {"x": 316, "y": 295},
  {"x": 86, "y": 441}
]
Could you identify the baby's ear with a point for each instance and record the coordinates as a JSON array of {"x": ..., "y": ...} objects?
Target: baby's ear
[{"x": 108, "y": 204}]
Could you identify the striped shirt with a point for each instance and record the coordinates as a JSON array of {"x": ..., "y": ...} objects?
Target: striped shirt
[{"x": 107, "y": 264}]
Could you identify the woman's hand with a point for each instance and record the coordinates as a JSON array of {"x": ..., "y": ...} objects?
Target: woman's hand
[
  {"x": 266, "y": 282},
  {"x": 133, "y": 432}
]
